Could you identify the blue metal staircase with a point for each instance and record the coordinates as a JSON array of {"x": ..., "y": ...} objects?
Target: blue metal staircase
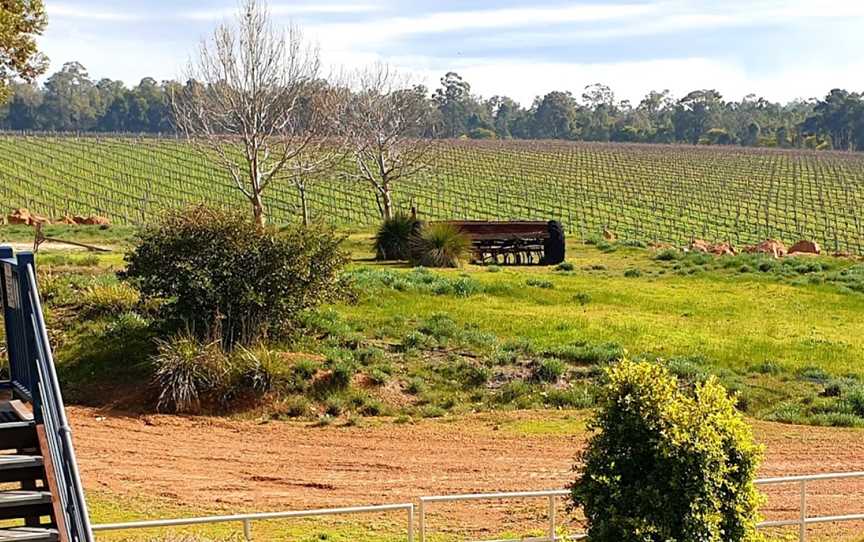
[{"x": 37, "y": 458}]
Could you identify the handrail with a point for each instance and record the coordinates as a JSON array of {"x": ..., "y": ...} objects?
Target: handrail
[{"x": 34, "y": 378}]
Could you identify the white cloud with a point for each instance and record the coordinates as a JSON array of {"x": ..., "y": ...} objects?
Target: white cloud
[
  {"x": 281, "y": 10},
  {"x": 74, "y": 11},
  {"x": 385, "y": 30},
  {"x": 71, "y": 11}
]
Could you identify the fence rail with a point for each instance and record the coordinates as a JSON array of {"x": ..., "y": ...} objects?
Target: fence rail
[
  {"x": 247, "y": 519},
  {"x": 551, "y": 496}
]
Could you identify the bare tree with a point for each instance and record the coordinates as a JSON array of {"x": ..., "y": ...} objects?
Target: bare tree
[
  {"x": 326, "y": 105},
  {"x": 386, "y": 122},
  {"x": 241, "y": 106}
]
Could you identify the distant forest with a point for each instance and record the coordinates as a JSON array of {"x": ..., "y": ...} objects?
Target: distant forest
[{"x": 70, "y": 101}]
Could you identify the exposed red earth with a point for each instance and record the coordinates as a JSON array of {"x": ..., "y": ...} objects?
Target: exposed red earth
[{"x": 243, "y": 465}]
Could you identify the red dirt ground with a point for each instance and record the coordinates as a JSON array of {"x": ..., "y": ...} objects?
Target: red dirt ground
[{"x": 238, "y": 465}]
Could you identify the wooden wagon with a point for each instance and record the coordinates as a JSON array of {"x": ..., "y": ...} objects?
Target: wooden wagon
[{"x": 515, "y": 242}]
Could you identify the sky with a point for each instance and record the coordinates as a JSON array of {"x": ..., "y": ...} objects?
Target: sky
[{"x": 778, "y": 49}]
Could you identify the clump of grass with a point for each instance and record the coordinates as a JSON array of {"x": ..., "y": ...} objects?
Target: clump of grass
[
  {"x": 578, "y": 397},
  {"x": 633, "y": 272},
  {"x": 440, "y": 245},
  {"x": 187, "y": 370},
  {"x": 549, "y": 370},
  {"x": 565, "y": 266},
  {"x": 854, "y": 399},
  {"x": 540, "y": 283},
  {"x": 584, "y": 352},
  {"x": 107, "y": 299},
  {"x": 294, "y": 406},
  {"x": 583, "y": 298},
  {"x": 464, "y": 373},
  {"x": 439, "y": 326},
  {"x": 418, "y": 279},
  {"x": 668, "y": 255},
  {"x": 393, "y": 239}
]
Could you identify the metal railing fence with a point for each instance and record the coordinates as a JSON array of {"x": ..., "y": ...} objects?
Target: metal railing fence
[{"x": 551, "y": 496}]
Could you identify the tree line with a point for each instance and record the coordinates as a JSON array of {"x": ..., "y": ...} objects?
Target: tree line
[{"x": 71, "y": 101}]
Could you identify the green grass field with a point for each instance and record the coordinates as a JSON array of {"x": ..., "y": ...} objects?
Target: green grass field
[
  {"x": 786, "y": 335},
  {"x": 644, "y": 192}
]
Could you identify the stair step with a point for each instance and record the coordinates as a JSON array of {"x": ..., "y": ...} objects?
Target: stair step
[
  {"x": 28, "y": 534},
  {"x": 23, "y": 497},
  {"x": 23, "y": 504},
  {"x": 7, "y": 416},
  {"x": 18, "y": 435},
  {"x": 21, "y": 468},
  {"x": 14, "y": 462}
]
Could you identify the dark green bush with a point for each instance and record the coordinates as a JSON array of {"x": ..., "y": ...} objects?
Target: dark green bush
[
  {"x": 667, "y": 465},
  {"x": 393, "y": 239},
  {"x": 440, "y": 245},
  {"x": 220, "y": 275}
]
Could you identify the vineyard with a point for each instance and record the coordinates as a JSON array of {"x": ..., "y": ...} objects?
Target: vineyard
[{"x": 645, "y": 192}]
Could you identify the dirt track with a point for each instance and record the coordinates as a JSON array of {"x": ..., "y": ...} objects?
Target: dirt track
[{"x": 242, "y": 465}]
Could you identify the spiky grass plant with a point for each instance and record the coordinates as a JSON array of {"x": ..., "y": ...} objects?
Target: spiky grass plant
[{"x": 440, "y": 245}]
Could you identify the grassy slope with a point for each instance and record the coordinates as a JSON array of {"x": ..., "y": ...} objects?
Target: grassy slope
[{"x": 735, "y": 319}]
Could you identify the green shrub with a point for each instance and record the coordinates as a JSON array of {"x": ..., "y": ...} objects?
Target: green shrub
[
  {"x": 664, "y": 464},
  {"x": 634, "y": 272},
  {"x": 187, "y": 371},
  {"x": 440, "y": 245},
  {"x": 565, "y": 266},
  {"x": 393, "y": 239},
  {"x": 221, "y": 275}
]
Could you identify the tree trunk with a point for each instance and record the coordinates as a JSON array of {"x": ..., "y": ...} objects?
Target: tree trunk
[
  {"x": 387, "y": 204},
  {"x": 304, "y": 205},
  {"x": 258, "y": 209}
]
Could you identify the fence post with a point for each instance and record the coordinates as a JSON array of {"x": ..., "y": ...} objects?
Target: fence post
[
  {"x": 247, "y": 530},
  {"x": 422, "y": 521},
  {"x": 551, "y": 518},
  {"x": 411, "y": 523},
  {"x": 802, "y": 528}
]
